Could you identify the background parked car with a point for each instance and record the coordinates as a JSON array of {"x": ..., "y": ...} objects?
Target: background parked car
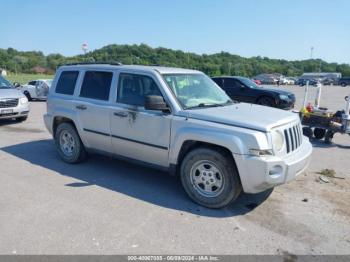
[
  {"x": 13, "y": 104},
  {"x": 256, "y": 81},
  {"x": 344, "y": 81},
  {"x": 290, "y": 80},
  {"x": 36, "y": 89},
  {"x": 244, "y": 90},
  {"x": 328, "y": 81},
  {"x": 302, "y": 82}
]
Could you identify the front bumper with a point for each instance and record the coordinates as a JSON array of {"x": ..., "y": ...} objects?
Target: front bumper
[
  {"x": 22, "y": 110},
  {"x": 261, "y": 173},
  {"x": 287, "y": 105}
]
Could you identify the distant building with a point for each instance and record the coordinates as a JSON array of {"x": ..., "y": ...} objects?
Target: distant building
[
  {"x": 39, "y": 70},
  {"x": 322, "y": 75},
  {"x": 3, "y": 72}
]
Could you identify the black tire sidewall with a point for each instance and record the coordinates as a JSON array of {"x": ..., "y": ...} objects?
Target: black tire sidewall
[
  {"x": 79, "y": 151},
  {"x": 232, "y": 185},
  {"x": 267, "y": 98}
]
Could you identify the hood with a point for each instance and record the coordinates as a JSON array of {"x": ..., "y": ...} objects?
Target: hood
[
  {"x": 10, "y": 93},
  {"x": 261, "y": 118}
]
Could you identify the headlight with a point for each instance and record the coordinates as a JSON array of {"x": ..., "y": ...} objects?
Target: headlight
[
  {"x": 284, "y": 97},
  {"x": 277, "y": 140},
  {"x": 23, "y": 100}
]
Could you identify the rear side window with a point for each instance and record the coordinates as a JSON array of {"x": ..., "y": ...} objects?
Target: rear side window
[
  {"x": 66, "y": 82},
  {"x": 96, "y": 85}
]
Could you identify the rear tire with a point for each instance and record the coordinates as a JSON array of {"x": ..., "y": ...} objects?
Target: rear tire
[
  {"x": 266, "y": 101},
  {"x": 210, "y": 177},
  {"x": 329, "y": 137},
  {"x": 69, "y": 145},
  {"x": 307, "y": 131},
  {"x": 343, "y": 84},
  {"x": 319, "y": 133}
]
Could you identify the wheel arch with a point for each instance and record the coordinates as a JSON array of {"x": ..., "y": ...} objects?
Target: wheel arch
[
  {"x": 57, "y": 120},
  {"x": 265, "y": 95},
  {"x": 189, "y": 145}
]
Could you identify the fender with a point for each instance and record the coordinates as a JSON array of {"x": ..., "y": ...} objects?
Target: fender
[{"x": 227, "y": 140}]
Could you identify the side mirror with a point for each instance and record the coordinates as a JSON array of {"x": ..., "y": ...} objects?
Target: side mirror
[
  {"x": 16, "y": 84},
  {"x": 156, "y": 103}
]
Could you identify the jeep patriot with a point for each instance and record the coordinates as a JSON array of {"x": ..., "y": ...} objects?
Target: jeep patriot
[{"x": 177, "y": 120}]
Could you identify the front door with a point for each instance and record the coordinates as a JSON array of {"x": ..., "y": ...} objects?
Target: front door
[
  {"x": 138, "y": 133},
  {"x": 238, "y": 91}
]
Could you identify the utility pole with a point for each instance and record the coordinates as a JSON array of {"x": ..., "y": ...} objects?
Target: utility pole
[
  {"x": 311, "y": 52},
  {"x": 320, "y": 66}
]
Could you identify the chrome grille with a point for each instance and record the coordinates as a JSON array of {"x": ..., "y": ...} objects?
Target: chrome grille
[
  {"x": 293, "y": 137},
  {"x": 8, "y": 102}
]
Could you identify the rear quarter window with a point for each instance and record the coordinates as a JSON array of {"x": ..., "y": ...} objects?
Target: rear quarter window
[
  {"x": 66, "y": 82},
  {"x": 96, "y": 85}
]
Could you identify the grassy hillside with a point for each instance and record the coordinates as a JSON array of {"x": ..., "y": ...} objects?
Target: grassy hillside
[
  {"x": 214, "y": 64},
  {"x": 25, "y": 78}
]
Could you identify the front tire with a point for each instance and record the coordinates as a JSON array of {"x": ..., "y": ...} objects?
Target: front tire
[
  {"x": 69, "y": 145},
  {"x": 266, "y": 101},
  {"x": 319, "y": 133},
  {"x": 210, "y": 177}
]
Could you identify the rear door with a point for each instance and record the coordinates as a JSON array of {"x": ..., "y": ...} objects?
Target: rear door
[{"x": 92, "y": 108}]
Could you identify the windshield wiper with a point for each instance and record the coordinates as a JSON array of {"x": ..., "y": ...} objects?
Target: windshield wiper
[{"x": 203, "y": 105}]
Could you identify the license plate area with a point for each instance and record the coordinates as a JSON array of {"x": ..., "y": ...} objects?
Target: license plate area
[{"x": 6, "y": 111}]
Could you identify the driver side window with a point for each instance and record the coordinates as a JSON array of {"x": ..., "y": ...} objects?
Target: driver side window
[{"x": 133, "y": 89}]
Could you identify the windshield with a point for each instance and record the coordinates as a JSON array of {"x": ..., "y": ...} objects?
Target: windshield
[
  {"x": 248, "y": 82},
  {"x": 4, "y": 84},
  {"x": 196, "y": 90}
]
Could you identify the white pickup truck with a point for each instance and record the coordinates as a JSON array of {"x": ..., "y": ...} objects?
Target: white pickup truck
[{"x": 36, "y": 89}]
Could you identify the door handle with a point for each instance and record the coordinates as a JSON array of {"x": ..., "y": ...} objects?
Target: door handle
[
  {"x": 121, "y": 114},
  {"x": 81, "y": 107}
]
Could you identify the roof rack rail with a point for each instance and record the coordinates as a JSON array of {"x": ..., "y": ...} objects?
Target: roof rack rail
[{"x": 93, "y": 63}]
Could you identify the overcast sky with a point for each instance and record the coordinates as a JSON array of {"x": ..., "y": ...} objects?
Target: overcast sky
[{"x": 273, "y": 28}]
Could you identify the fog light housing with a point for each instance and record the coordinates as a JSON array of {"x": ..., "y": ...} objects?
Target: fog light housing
[
  {"x": 276, "y": 170},
  {"x": 260, "y": 152}
]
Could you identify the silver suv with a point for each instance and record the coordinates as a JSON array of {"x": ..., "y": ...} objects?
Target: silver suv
[{"x": 177, "y": 120}]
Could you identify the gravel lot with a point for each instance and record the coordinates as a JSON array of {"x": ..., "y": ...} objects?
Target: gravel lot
[{"x": 106, "y": 206}]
